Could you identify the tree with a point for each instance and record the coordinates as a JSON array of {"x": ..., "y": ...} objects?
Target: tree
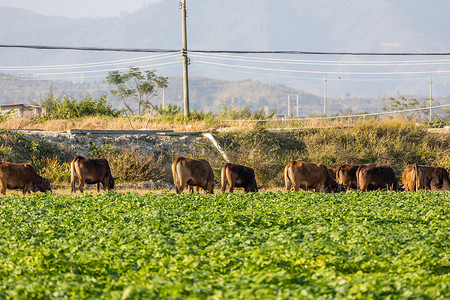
[
  {"x": 136, "y": 87},
  {"x": 405, "y": 104}
]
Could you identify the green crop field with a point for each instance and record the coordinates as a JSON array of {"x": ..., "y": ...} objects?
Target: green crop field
[{"x": 249, "y": 246}]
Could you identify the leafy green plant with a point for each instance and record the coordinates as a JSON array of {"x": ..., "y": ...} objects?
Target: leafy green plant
[
  {"x": 70, "y": 107},
  {"x": 52, "y": 168},
  {"x": 233, "y": 246}
]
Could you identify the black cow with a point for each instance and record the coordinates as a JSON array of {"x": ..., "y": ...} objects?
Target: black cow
[
  {"x": 238, "y": 176},
  {"x": 376, "y": 177}
]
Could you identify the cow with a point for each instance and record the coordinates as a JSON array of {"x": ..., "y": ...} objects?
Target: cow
[
  {"x": 309, "y": 176},
  {"x": 22, "y": 176},
  {"x": 90, "y": 171},
  {"x": 417, "y": 177},
  {"x": 346, "y": 175},
  {"x": 192, "y": 172},
  {"x": 371, "y": 178},
  {"x": 238, "y": 176}
]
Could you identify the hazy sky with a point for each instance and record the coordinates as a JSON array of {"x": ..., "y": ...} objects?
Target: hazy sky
[{"x": 78, "y": 8}]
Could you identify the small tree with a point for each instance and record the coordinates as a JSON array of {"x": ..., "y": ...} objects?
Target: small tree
[
  {"x": 405, "y": 104},
  {"x": 136, "y": 86}
]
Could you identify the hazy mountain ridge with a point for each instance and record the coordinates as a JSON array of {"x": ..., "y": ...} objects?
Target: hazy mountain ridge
[{"x": 351, "y": 25}]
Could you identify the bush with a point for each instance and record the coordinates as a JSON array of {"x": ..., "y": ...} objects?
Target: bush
[{"x": 70, "y": 108}]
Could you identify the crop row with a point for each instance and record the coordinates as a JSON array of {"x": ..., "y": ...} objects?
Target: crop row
[{"x": 271, "y": 245}]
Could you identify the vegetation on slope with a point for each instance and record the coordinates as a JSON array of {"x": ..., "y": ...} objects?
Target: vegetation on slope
[{"x": 393, "y": 142}]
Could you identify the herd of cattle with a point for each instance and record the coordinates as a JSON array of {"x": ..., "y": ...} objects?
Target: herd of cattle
[{"x": 198, "y": 173}]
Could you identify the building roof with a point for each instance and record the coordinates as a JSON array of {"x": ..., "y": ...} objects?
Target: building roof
[{"x": 18, "y": 104}]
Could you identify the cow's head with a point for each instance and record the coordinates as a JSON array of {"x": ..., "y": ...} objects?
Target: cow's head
[
  {"x": 335, "y": 188},
  {"x": 42, "y": 186},
  {"x": 111, "y": 183}
]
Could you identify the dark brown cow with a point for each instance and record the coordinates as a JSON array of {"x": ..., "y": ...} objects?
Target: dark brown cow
[
  {"x": 238, "y": 176},
  {"x": 192, "y": 172},
  {"x": 346, "y": 175},
  {"x": 371, "y": 178},
  {"x": 90, "y": 171},
  {"x": 309, "y": 176},
  {"x": 21, "y": 176},
  {"x": 417, "y": 177}
]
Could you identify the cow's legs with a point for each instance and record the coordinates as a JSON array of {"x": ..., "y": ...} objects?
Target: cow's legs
[
  {"x": 3, "y": 187},
  {"x": 209, "y": 187},
  {"x": 180, "y": 188},
  {"x": 81, "y": 186},
  {"x": 231, "y": 186}
]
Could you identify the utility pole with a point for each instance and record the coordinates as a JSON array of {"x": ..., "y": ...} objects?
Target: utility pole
[
  {"x": 325, "y": 95},
  {"x": 297, "y": 105},
  {"x": 164, "y": 98},
  {"x": 431, "y": 95},
  {"x": 289, "y": 106},
  {"x": 185, "y": 60}
]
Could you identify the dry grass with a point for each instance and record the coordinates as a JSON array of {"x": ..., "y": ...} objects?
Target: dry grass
[
  {"x": 123, "y": 123},
  {"x": 107, "y": 123}
]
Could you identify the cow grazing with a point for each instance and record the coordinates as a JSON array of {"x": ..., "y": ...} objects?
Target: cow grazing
[
  {"x": 22, "y": 176},
  {"x": 238, "y": 176},
  {"x": 192, "y": 172},
  {"x": 417, "y": 177},
  {"x": 346, "y": 175},
  {"x": 90, "y": 171},
  {"x": 371, "y": 178},
  {"x": 309, "y": 176}
]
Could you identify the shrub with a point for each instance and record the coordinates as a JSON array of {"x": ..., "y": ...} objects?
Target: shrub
[{"x": 69, "y": 107}]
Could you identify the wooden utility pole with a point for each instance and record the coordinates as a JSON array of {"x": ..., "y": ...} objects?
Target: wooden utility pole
[
  {"x": 185, "y": 60},
  {"x": 297, "y": 105}
]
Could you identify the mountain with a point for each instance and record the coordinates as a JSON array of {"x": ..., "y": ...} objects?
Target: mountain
[{"x": 329, "y": 26}]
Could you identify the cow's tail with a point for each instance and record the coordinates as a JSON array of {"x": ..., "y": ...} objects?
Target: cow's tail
[
  {"x": 287, "y": 178},
  {"x": 223, "y": 178},
  {"x": 73, "y": 174},
  {"x": 416, "y": 177},
  {"x": 338, "y": 176},
  {"x": 359, "y": 179},
  {"x": 175, "y": 176}
]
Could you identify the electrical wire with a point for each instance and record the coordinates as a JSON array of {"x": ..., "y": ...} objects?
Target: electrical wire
[
  {"x": 87, "y": 65},
  {"x": 322, "y": 62},
  {"x": 317, "y": 78},
  {"x": 297, "y": 52},
  {"x": 324, "y": 72}
]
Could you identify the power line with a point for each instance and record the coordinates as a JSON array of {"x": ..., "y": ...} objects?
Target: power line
[
  {"x": 39, "y": 47},
  {"x": 87, "y": 65},
  {"x": 322, "y": 62},
  {"x": 325, "y": 72},
  {"x": 297, "y": 52}
]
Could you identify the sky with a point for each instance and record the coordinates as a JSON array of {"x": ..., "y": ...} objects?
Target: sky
[{"x": 79, "y": 8}]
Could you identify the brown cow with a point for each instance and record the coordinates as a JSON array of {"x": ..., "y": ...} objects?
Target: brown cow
[
  {"x": 21, "y": 176},
  {"x": 346, "y": 175},
  {"x": 192, "y": 172},
  {"x": 309, "y": 176},
  {"x": 90, "y": 171},
  {"x": 238, "y": 176},
  {"x": 371, "y": 178},
  {"x": 417, "y": 177}
]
